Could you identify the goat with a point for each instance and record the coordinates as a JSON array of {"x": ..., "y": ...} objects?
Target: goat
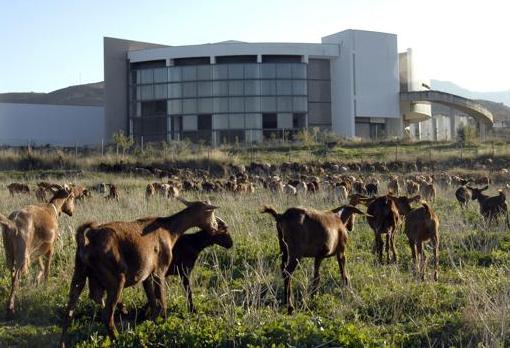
[
  {"x": 490, "y": 207},
  {"x": 149, "y": 191},
  {"x": 412, "y": 187},
  {"x": 385, "y": 217},
  {"x": 121, "y": 254},
  {"x": 372, "y": 189},
  {"x": 184, "y": 255},
  {"x": 31, "y": 233},
  {"x": 422, "y": 224},
  {"x": 340, "y": 192},
  {"x": 428, "y": 191},
  {"x": 289, "y": 190},
  {"x": 113, "y": 194},
  {"x": 393, "y": 186},
  {"x": 463, "y": 194},
  {"x": 311, "y": 233},
  {"x": 18, "y": 188}
]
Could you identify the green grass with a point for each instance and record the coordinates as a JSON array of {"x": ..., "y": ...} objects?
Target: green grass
[{"x": 237, "y": 291}]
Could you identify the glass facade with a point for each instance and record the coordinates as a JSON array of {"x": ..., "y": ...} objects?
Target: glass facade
[{"x": 234, "y": 97}]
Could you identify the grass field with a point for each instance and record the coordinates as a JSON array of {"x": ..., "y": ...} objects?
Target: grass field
[{"x": 237, "y": 291}]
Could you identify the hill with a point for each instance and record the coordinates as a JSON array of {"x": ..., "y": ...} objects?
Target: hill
[
  {"x": 450, "y": 87},
  {"x": 91, "y": 94}
]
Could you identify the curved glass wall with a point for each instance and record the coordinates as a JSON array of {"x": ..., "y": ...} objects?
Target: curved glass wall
[{"x": 219, "y": 102}]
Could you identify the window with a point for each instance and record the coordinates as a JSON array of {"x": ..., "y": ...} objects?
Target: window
[
  {"x": 147, "y": 76},
  {"x": 252, "y": 104},
  {"x": 253, "y": 121},
  {"x": 174, "y": 107},
  {"x": 299, "y": 87},
  {"x": 285, "y": 104},
  {"x": 268, "y": 104},
  {"x": 189, "y": 123},
  {"x": 160, "y": 91},
  {"x": 147, "y": 92},
  {"x": 267, "y": 71},
  {"x": 204, "y": 122},
  {"x": 268, "y": 87},
  {"x": 203, "y": 72},
  {"x": 284, "y": 87},
  {"x": 153, "y": 108},
  {"x": 220, "y": 88},
  {"x": 252, "y": 87},
  {"x": 220, "y": 122},
  {"x": 299, "y": 104},
  {"x": 189, "y": 89},
  {"x": 269, "y": 121},
  {"x": 205, "y": 105},
  {"x": 299, "y": 71},
  {"x": 205, "y": 89},
  {"x": 235, "y": 71},
  {"x": 235, "y": 88},
  {"x": 236, "y": 121},
  {"x": 220, "y": 105},
  {"x": 160, "y": 75},
  {"x": 174, "y": 90},
  {"x": 236, "y": 105},
  {"x": 220, "y": 72},
  {"x": 251, "y": 71},
  {"x": 189, "y": 106},
  {"x": 189, "y": 73},
  {"x": 283, "y": 71},
  {"x": 174, "y": 74}
]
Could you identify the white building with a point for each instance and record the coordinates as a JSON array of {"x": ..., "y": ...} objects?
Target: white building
[{"x": 354, "y": 83}]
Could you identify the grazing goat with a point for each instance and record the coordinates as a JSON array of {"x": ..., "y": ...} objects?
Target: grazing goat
[
  {"x": 113, "y": 194},
  {"x": 463, "y": 194},
  {"x": 121, "y": 254},
  {"x": 372, "y": 189},
  {"x": 184, "y": 255},
  {"x": 428, "y": 191},
  {"x": 150, "y": 191},
  {"x": 412, "y": 187},
  {"x": 393, "y": 186},
  {"x": 311, "y": 233},
  {"x": 422, "y": 224},
  {"x": 30, "y": 233},
  {"x": 490, "y": 207},
  {"x": 18, "y": 188}
]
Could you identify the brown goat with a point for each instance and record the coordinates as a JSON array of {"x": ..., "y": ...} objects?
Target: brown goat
[
  {"x": 18, "y": 188},
  {"x": 122, "y": 254},
  {"x": 184, "y": 255},
  {"x": 428, "y": 191},
  {"x": 385, "y": 217},
  {"x": 490, "y": 207},
  {"x": 422, "y": 224},
  {"x": 113, "y": 194},
  {"x": 311, "y": 233},
  {"x": 30, "y": 233}
]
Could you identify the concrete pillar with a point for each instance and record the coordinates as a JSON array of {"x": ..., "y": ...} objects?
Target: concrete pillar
[
  {"x": 259, "y": 58},
  {"x": 212, "y": 60},
  {"x": 483, "y": 130}
]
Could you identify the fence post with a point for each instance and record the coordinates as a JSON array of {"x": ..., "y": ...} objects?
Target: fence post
[
  {"x": 75, "y": 150},
  {"x": 102, "y": 147},
  {"x": 493, "y": 152},
  {"x": 430, "y": 154},
  {"x": 209, "y": 160},
  {"x": 141, "y": 142},
  {"x": 396, "y": 151},
  {"x": 461, "y": 152}
]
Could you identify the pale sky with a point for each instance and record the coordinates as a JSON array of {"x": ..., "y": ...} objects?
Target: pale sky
[{"x": 51, "y": 44}]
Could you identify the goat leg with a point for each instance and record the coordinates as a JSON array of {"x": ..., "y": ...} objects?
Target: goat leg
[
  {"x": 16, "y": 273},
  {"x": 77, "y": 283},
  {"x": 316, "y": 276},
  {"x": 187, "y": 289},
  {"x": 160, "y": 293},
  {"x": 436, "y": 257},
  {"x": 113, "y": 295},
  {"x": 287, "y": 275},
  {"x": 340, "y": 256}
]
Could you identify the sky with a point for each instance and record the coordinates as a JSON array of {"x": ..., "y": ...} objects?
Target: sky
[{"x": 52, "y": 44}]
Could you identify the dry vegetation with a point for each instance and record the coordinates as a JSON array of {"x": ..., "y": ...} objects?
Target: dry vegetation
[{"x": 237, "y": 291}]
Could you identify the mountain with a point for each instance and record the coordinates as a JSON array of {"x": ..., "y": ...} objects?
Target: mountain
[
  {"x": 450, "y": 87},
  {"x": 90, "y": 94}
]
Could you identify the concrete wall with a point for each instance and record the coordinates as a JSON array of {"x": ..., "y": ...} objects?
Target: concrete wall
[
  {"x": 63, "y": 125},
  {"x": 116, "y": 83},
  {"x": 364, "y": 78}
]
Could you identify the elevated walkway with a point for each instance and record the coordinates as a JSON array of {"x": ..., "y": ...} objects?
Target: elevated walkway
[{"x": 467, "y": 106}]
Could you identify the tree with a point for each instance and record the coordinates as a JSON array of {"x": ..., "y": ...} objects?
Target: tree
[{"x": 122, "y": 141}]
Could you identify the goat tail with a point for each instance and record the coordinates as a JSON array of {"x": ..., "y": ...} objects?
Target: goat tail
[
  {"x": 81, "y": 234},
  {"x": 270, "y": 210},
  {"x": 7, "y": 223},
  {"x": 428, "y": 209}
]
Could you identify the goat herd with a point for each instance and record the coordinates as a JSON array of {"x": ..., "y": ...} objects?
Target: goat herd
[{"x": 120, "y": 254}]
